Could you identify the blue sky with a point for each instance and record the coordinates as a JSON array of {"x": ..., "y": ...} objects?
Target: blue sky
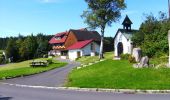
[{"x": 52, "y": 16}]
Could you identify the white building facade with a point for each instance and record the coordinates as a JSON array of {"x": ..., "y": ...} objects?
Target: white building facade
[
  {"x": 123, "y": 39},
  {"x": 122, "y": 44},
  {"x": 90, "y": 49}
]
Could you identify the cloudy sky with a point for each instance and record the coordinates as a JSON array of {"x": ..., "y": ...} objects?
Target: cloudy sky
[{"x": 51, "y": 16}]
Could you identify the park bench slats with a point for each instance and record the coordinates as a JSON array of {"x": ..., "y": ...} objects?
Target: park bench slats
[{"x": 38, "y": 63}]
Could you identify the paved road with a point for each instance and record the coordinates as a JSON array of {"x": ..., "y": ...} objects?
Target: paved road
[
  {"x": 52, "y": 78},
  {"x": 23, "y": 93}
]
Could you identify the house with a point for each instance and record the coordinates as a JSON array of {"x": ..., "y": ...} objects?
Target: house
[
  {"x": 58, "y": 43},
  {"x": 122, "y": 40},
  {"x": 73, "y": 44}
]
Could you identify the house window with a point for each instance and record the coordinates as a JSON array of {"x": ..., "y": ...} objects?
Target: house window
[{"x": 92, "y": 47}]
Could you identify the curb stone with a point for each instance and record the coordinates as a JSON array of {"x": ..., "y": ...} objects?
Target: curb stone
[
  {"x": 126, "y": 91},
  {"x": 89, "y": 64}
]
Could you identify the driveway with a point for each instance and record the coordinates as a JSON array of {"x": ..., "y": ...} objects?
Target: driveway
[{"x": 53, "y": 78}]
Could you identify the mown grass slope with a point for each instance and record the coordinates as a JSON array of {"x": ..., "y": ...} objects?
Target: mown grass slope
[{"x": 119, "y": 75}]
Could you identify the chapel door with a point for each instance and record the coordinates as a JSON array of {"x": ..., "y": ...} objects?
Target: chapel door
[{"x": 120, "y": 48}]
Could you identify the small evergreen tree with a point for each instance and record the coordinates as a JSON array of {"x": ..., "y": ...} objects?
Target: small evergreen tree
[{"x": 12, "y": 50}]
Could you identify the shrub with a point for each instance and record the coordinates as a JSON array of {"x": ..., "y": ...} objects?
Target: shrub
[
  {"x": 2, "y": 59},
  {"x": 124, "y": 56},
  {"x": 45, "y": 56},
  {"x": 132, "y": 59},
  {"x": 50, "y": 61}
]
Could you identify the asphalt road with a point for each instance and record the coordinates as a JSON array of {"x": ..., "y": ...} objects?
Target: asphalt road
[
  {"x": 21, "y": 93},
  {"x": 53, "y": 78}
]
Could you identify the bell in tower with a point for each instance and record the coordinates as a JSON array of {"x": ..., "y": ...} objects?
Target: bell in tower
[{"x": 127, "y": 24}]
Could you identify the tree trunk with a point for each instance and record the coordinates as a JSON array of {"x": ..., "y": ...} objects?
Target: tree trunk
[
  {"x": 169, "y": 47},
  {"x": 101, "y": 44}
]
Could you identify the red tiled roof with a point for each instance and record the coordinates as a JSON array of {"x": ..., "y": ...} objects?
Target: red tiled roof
[
  {"x": 62, "y": 33},
  {"x": 80, "y": 44},
  {"x": 62, "y": 40}
]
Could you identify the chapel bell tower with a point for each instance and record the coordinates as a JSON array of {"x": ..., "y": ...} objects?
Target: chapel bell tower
[{"x": 127, "y": 24}]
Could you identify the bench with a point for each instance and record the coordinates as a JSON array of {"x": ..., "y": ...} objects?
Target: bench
[{"x": 38, "y": 63}]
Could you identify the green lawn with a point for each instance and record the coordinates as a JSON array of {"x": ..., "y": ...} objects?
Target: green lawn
[
  {"x": 23, "y": 68},
  {"x": 1, "y": 51},
  {"x": 119, "y": 75},
  {"x": 89, "y": 59}
]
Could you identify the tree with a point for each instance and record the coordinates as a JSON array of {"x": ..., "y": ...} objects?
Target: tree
[
  {"x": 42, "y": 48},
  {"x": 23, "y": 51},
  {"x": 108, "y": 44},
  {"x": 31, "y": 46},
  {"x": 101, "y": 13},
  {"x": 152, "y": 35},
  {"x": 12, "y": 50}
]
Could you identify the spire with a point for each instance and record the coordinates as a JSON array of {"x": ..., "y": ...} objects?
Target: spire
[{"x": 127, "y": 23}]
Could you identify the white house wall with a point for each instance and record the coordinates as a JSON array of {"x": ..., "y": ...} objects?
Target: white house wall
[
  {"x": 86, "y": 51},
  {"x": 73, "y": 54},
  {"x": 126, "y": 44}
]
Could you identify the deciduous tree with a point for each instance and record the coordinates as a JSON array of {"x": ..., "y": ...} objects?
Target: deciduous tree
[{"x": 102, "y": 13}]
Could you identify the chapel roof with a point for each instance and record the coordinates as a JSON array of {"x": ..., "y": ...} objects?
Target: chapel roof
[
  {"x": 127, "y": 33},
  {"x": 127, "y": 21}
]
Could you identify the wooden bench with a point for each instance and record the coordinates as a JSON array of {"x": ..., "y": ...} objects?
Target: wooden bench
[{"x": 38, "y": 63}]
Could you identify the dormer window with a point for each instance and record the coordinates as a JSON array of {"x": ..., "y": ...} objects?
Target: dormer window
[{"x": 58, "y": 38}]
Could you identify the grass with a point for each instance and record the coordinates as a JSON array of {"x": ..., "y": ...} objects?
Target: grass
[
  {"x": 23, "y": 68},
  {"x": 119, "y": 75},
  {"x": 160, "y": 60},
  {"x": 1, "y": 51},
  {"x": 88, "y": 59},
  {"x": 22, "y": 64}
]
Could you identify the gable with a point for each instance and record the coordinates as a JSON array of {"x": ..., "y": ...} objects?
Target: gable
[
  {"x": 59, "y": 38},
  {"x": 71, "y": 39},
  {"x": 127, "y": 34}
]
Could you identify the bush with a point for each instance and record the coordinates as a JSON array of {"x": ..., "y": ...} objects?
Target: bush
[
  {"x": 124, "y": 56},
  {"x": 132, "y": 59},
  {"x": 2, "y": 60},
  {"x": 50, "y": 61},
  {"x": 45, "y": 56}
]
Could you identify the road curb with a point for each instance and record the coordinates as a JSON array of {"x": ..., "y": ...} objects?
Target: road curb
[{"x": 125, "y": 91}]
